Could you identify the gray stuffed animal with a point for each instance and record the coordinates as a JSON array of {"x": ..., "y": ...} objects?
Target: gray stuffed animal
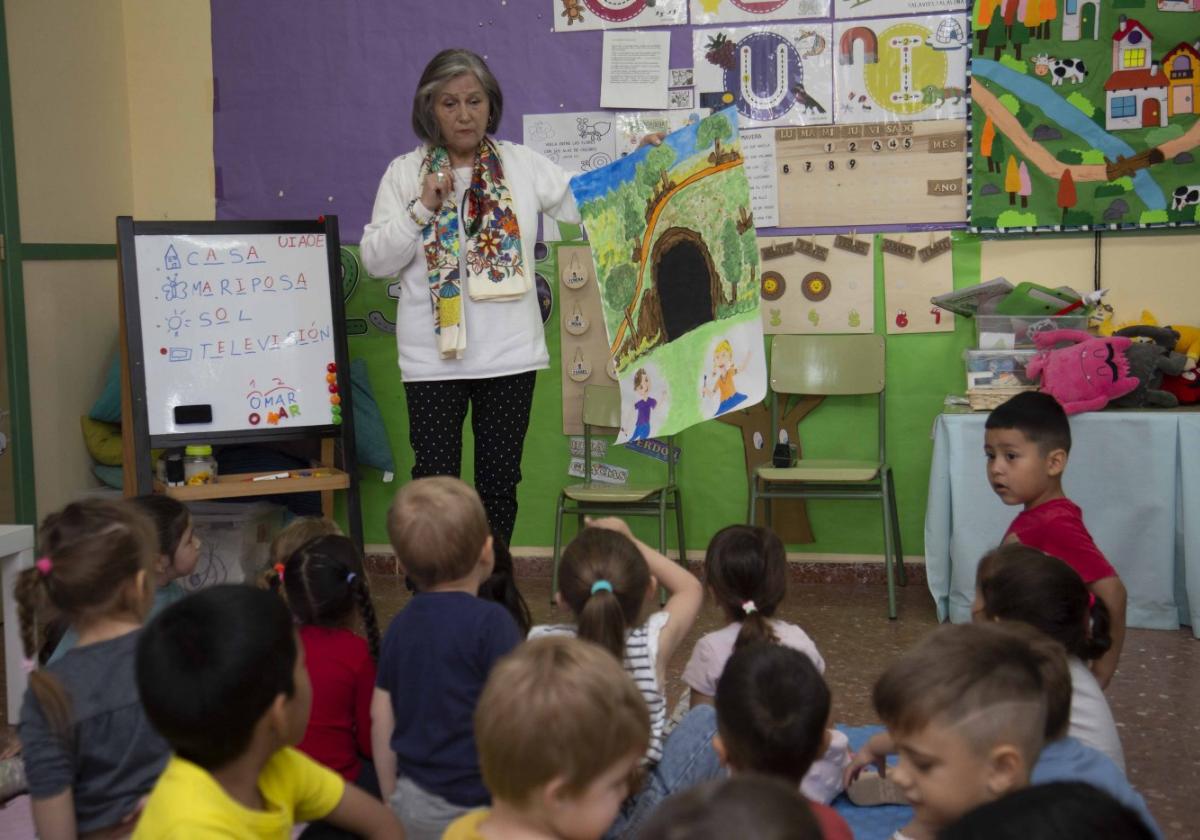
[{"x": 1151, "y": 355}]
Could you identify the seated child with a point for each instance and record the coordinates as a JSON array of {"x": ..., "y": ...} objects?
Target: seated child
[
  {"x": 773, "y": 712},
  {"x": 609, "y": 579},
  {"x": 966, "y": 710},
  {"x": 1027, "y": 440},
  {"x": 1063, "y": 758},
  {"x": 749, "y": 806},
  {"x": 178, "y": 553},
  {"x": 1058, "y": 811},
  {"x": 1018, "y": 583},
  {"x": 222, "y": 677},
  {"x": 90, "y": 754},
  {"x": 291, "y": 536},
  {"x": 745, "y": 569},
  {"x": 560, "y": 729},
  {"x": 437, "y": 654}
]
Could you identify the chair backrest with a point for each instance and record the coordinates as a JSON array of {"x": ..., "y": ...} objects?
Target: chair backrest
[
  {"x": 827, "y": 364},
  {"x": 602, "y": 405}
]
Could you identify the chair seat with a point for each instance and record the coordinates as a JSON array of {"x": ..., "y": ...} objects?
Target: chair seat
[
  {"x": 612, "y": 492},
  {"x": 822, "y": 470}
]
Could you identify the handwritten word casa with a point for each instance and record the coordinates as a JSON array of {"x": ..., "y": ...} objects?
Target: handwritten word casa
[
  {"x": 278, "y": 403},
  {"x": 176, "y": 289},
  {"x": 250, "y": 345}
]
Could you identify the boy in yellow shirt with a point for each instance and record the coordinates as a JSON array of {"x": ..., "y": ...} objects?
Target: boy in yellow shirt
[
  {"x": 221, "y": 675},
  {"x": 560, "y": 729}
]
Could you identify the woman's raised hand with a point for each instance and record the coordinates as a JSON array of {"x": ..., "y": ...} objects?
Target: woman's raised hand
[{"x": 435, "y": 188}]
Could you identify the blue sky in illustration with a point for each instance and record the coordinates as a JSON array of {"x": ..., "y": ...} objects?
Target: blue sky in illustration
[{"x": 595, "y": 184}]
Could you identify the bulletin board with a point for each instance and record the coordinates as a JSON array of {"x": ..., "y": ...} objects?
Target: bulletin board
[{"x": 1083, "y": 115}]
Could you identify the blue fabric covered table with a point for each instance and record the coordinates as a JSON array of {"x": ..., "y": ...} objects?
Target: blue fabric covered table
[
  {"x": 1135, "y": 474},
  {"x": 878, "y": 822}
]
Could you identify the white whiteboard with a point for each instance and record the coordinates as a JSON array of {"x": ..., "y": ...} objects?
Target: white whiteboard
[{"x": 242, "y": 323}]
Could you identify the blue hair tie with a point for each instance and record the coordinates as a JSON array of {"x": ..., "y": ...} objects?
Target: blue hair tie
[{"x": 601, "y": 586}]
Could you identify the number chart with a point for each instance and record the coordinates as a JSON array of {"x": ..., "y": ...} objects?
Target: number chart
[{"x": 883, "y": 173}]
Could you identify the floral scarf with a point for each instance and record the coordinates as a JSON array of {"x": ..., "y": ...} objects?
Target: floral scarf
[{"x": 494, "y": 260}]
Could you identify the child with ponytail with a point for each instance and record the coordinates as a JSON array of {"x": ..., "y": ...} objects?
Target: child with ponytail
[
  {"x": 745, "y": 569},
  {"x": 608, "y": 579},
  {"x": 328, "y": 595},
  {"x": 1017, "y": 582},
  {"x": 90, "y": 754},
  {"x": 178, "y": 554}
]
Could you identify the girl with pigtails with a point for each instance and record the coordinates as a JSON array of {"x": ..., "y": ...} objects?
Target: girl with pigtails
[
  {"x": 90, "y": 755},
  {"x": 745, "y": 570},
  {"x": 608, "y": 579},
  {"x": 329, "y": 597}
]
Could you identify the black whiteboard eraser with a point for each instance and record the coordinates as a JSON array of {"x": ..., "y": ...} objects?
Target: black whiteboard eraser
[{"x": 186, "y": 414}]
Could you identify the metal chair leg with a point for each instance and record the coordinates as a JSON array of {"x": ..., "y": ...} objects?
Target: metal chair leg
[
  {"x": 682, "y": 536},
  {"x": 558, "y": 525},
  {"x": 662, "y": 538},
  {"x": 901, "y": 572},
  {"x": 753, "y": 498},
  {"x": 885, "y": 484}
]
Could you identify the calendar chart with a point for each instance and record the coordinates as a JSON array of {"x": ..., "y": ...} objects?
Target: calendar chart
[{"x": 884, "y": 173}]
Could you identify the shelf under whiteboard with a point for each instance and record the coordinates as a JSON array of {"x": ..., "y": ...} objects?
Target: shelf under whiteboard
[{"x": 242, "y": 484}]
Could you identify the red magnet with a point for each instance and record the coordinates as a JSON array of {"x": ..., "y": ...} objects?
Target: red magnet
[
  {"x": 331, "y": 367},
  {"x": 162, "y": 350},
  {"x": 333, "y": 389},
  {"x": 254, "y": 418}
]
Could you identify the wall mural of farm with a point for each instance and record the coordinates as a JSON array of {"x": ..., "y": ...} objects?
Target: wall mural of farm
[
  {"x": 1084, "y": 114},
  {"x": 676, "y": 261}
]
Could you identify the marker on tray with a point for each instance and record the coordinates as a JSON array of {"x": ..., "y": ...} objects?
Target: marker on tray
[{"x": 271, "y": 476}]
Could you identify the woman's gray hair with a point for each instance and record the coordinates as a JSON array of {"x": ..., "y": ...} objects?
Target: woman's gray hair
[{"x": 447, "y": 65}]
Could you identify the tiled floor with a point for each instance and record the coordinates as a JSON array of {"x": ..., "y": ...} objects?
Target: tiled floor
[{"x": 1154, "y": 695}]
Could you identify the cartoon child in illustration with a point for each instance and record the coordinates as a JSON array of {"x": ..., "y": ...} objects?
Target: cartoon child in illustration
[
  {"x": 644, "y": 405},
  {"x": 722, "y": 383}
]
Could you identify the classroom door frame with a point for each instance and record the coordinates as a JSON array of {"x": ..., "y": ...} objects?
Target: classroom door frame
[{"x": 16, "y": 360}]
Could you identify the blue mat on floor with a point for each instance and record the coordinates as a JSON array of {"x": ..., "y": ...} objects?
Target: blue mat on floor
[{"x": 880, "y": 821}]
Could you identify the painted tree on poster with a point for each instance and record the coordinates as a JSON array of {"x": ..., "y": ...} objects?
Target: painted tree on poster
[{"x": 1066, "y": 193}]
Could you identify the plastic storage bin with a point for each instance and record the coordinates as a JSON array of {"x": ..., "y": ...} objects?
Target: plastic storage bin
[
  {"x": 1008, "y": 332},
  {"x": 235, "y": 541},
  {"x": 998, "y": 368}
]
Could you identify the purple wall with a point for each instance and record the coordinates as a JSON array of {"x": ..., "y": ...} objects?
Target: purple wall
[{"x": 313, "y": 96}]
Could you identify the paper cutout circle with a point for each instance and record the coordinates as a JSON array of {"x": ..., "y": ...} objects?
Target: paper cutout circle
[
  {"x": 611, "y": 369},
  {"x": 773, "y": 285},
  {"x": 580, "y": 369},
  {"x": 816, "y": 285},
  {"x": 574, "y": 276}
]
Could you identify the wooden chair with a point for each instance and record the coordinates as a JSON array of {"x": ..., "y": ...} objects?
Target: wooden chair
[
  {"x": 602, "y": 409},
  {"x": 833, "y": 365}
]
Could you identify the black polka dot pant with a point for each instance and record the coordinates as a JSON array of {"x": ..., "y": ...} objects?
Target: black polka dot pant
[{"x": 499, "y": 420}]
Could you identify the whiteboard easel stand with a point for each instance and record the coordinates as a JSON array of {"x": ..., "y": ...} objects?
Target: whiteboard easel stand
[{"x": 135, "y": 437}]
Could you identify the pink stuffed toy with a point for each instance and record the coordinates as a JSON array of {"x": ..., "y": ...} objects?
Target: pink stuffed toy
[{"x": 1085, "y": 375}]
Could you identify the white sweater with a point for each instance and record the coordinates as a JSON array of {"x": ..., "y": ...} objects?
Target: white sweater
[{"x": 503, "y": 337}]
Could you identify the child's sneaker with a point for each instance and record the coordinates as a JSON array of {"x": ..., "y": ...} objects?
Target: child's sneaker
[{"x": 870, "y": 788}]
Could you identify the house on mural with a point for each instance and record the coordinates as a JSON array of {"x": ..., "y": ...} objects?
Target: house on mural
[
  {"x": 1179, "y": 5},
  {"x": 1182, "y": 66},
  {"x": 1080, "y": 20},
  {"x": 1135, "y": 95}
]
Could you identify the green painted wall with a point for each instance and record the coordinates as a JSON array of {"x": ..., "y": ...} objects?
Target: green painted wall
[{"x": 921, "y": 370}]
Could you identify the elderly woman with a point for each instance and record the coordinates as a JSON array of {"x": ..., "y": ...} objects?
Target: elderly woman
[{"x": 456, "y": 219}]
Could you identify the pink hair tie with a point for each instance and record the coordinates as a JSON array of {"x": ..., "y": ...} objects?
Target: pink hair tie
[
  {"x": 43, "y": 565},
  {"x": 28, "y": 665},
  {"x": 1091, "y": 599}
]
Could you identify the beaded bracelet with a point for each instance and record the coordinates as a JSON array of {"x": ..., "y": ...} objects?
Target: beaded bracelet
[{"x": 412, "y": 213}]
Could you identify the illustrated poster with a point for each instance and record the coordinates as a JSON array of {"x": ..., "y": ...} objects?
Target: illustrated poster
[
  {"x": 580, "y": 15},
  {"x": 706, "y": 12},
  {"x": 873, "y": 8},
  {"x": 773, "y": 75},
  {"x": 1083, "y": 115},
  {"x": 676, "y": 262},
  {"x": 901, "y": 69}
]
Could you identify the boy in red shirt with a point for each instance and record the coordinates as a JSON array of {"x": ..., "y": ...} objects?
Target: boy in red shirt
[{"x": 1027, "y": 441}]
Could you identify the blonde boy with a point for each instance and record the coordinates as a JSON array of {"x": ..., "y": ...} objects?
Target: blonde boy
[
  {"x": 966, "y": 711},
  {"x": 561, "y": 728},
  {"x": 1027, "y": 440},
  {"x": 436, "y": 656}
]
